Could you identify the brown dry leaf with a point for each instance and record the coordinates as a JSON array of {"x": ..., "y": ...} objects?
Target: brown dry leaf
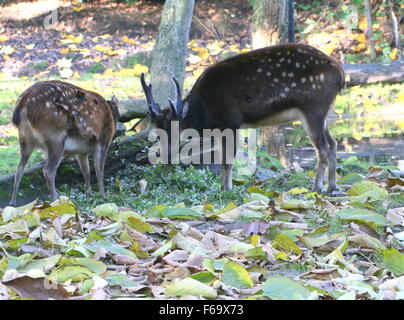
[
  {"x": 185, "y": 243},
  {"x": 256, "y": 227},
  {"x": 396, "y": 216},
  {"x": 329, "y": 246},
  {"x": 123, "y": 259},
  {"x": 160, "y": 268},
  {"x": 177, "y": 258},
  {"x": 270, "y": 251},
  {"x": 215, "y": 244},
  {"x": 391, "y": 182},
  {"x": 187, "y": 230},
  {"x": 101, "y": 253},
  {"x": 99, "y": 294},
  {"x": 145, "y": 243},
  {"x": 195, "y": 260},
  {"x": 320, "y": 274},
  {"x": 39, "y": 288},
  {"x": 374, "y": 172},
  {"x": 177, "y": 273}
]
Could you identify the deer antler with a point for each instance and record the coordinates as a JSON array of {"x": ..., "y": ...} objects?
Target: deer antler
[
  {"x": 178, "y": 105},
  {"x": 154, "y": 108}
]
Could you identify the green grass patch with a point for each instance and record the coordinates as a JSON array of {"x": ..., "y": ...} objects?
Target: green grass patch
[
  {"x": 166, "y": 185},
  {"x": 9, "y": 158}
]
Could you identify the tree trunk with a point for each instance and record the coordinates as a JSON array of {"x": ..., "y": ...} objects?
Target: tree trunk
[
  {"x": 291, "y": 18},
  {"x": 369, "y": 32},
  {"x": 270, "y": 23},
  {"x": 170, "y": 51},
  {"x": 396, "y": 33},
  {"x": 271, "y": 27}
]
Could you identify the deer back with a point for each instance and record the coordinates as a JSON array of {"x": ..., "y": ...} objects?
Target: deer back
[
  {"x": 56, "y": 107},
  {"x": 249, "y": 88}
]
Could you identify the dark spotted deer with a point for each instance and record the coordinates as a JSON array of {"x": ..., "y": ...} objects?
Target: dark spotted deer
[
  {"x": 63, "y": 119},
  {"x": 272, "y": 85}
]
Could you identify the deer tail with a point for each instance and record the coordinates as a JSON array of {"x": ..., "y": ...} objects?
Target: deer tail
[{"x": 16, "y": 119}]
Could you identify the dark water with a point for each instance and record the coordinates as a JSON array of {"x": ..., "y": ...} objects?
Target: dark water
[{"x": 376, "y": 140}]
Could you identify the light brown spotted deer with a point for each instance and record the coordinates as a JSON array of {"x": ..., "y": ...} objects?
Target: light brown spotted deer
[
  {"x": 272, "y": 85},
  {"x": 63, "y": 119}
]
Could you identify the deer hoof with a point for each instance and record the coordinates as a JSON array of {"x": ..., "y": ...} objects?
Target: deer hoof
[{"x": 334, "y": 192}]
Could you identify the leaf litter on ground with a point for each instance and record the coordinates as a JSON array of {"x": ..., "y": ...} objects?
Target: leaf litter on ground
[{"x": 290, "y": 245}]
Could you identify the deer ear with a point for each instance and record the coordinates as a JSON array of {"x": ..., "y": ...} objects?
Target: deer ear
[
  {"x": 184, "y": 110},
  {"x": 114, "y": 100}
]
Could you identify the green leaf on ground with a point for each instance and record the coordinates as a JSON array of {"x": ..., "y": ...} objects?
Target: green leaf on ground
[
  {"x": 190, "y": 287},
  {"x": 283, "y": 242},
  {"x": 393, "y": 260},
  {"x": 362, "y": 215},
  {"x": 236, "y": 276},
  {"x": 181, "y": 213},
  {"x": 284, "y": 289}
]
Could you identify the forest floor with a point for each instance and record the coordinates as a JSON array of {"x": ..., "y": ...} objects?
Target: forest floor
[{"x": 168, "y": 231}]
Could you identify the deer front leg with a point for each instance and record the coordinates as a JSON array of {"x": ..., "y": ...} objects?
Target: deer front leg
[
  {"x": 332, "y": 163},
  {"x": 227, "y": 180},
  {"x": 55, "y": 150},
  {"x": 26, "y": 151},
  {"x": 82, "y": 159},
  {"x": 99, "y": 161},
  {"x": 318, "y": 138}
]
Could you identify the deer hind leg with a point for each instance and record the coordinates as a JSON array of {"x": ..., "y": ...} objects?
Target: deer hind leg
[
  {"x": 26, "y": 148},
  {"x": 332, "y": 162},
  {"x": 99, "y": 161},
  {"x": 82, "y": 159},
  {"x": 55, "y": 149},
  {"x": 316, "y": 130}
]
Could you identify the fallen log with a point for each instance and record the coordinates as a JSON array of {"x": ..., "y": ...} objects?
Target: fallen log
[
  {"x": 123, "y": 151},
  {"x": 363, "y": 74},
  {"x": 356, "y": 74}
]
